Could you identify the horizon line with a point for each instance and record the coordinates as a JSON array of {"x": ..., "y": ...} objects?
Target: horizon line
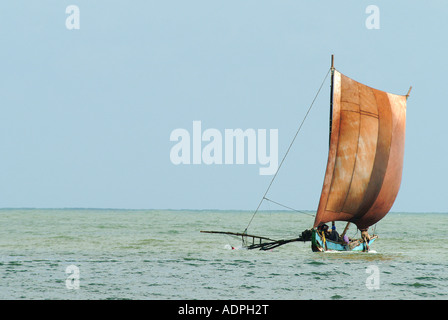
[{"x": 184, "y": 209}]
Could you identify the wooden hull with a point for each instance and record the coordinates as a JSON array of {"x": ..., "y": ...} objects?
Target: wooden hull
[{"x": 319, "y": 244}]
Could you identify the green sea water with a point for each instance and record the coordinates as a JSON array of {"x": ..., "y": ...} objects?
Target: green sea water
[{"x": 161, "y": 254}]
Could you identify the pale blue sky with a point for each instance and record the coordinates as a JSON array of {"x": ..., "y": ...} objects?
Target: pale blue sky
[{"x": 86, "y": 115}]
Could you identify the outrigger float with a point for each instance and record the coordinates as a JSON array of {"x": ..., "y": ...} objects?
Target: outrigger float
[{"x": 364, "y": 166}]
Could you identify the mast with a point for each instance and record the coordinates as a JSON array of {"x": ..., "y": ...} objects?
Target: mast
[
  {"x": 331, "y": 95},
  {"x": 409, "y": 92}
]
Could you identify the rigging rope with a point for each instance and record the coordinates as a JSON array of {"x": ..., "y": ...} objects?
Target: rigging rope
[
  {"x": 282, "y": 205},
  {"x": 287, "y": 151}
]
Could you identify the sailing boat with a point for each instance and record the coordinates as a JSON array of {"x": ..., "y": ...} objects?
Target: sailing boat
[
  {"x": 364, "y": 167},
  {"x": 365, "y": 159}
]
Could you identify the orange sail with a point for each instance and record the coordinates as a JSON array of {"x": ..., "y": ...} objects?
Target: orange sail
[{"x": 365, "y": 159}]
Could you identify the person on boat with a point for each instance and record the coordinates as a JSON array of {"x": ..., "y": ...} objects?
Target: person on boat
[
  {"x": 323, "y": 228},
  {"x": 365, "y": 238},
  {"x": 333, "y": 234}
]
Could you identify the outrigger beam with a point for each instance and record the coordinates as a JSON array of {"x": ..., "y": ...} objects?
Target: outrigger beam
[
  {"x": 239, "y": 234},
  {"x": 274, "y": 244},
  {"x": 305, "y": 236},
  {"x": 244, "y": 237}
]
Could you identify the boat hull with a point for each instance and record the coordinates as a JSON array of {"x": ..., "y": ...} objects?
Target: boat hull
[{"x": 320, "y": 244}]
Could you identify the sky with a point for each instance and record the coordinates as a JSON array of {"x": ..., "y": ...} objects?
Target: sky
[{"x": 87, "y": 113}]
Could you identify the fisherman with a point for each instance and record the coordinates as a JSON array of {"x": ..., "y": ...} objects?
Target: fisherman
[
  {"x": 324, "y": 229},
  {"x": 334, "y": 235},
  {"x": 366, "y": 239}
]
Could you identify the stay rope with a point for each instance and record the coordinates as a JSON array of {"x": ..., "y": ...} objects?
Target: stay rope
[
  {"x": 287, "y": 151},
  {"x": 282, "y": 205}
]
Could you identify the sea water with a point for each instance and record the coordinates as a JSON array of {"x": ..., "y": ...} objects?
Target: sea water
[{"x": 161, "y": 254}]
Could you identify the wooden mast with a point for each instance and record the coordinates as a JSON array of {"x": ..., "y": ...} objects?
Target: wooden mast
[
  {"x": 331, "y": 93},
  {"x": 409, "y": 92},
  {"x": 331, "y": 98}
]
